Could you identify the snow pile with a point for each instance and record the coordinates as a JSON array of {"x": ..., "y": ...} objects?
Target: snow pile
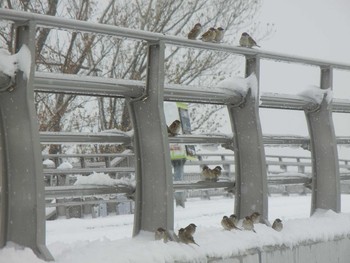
[
  {"x": 65, "y": 165},
  {"x": 240, "y": 85},
  {"x": 107, "y": 239},
  {"x": 48, "y": 163},
  {"x": 103, "y": 179},
  {"x": 317, "y": 94},
  {"x": 10, "y": 64},
  {"x": 12, "y": 253},
  {"x": 213, "y": 241}
]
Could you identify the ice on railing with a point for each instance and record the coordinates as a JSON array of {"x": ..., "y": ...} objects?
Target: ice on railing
[
  {"x": 10, "y": 64},
  {"x": 240, "y": 85},
  {"x": 317, "y": 94},
  {"x": 119, "y": 132},
  {"x": 104, "y": 179}
]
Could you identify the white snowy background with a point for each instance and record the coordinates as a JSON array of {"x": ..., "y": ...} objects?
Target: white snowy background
[{"x": 314, "y": 28}]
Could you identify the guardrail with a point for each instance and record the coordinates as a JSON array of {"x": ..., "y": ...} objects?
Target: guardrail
[{"x": 150, "y": 140}]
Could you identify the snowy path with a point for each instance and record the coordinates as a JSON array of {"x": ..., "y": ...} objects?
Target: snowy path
[{"x": 108, "y": 239}]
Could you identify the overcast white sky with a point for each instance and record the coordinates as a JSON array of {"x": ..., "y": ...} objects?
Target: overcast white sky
[{"x": 312, "y": 28}]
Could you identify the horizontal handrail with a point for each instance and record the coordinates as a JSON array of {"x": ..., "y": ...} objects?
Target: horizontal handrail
[
  {"x": 98, "y": 86},
  {"x": 90, "y": 27}
]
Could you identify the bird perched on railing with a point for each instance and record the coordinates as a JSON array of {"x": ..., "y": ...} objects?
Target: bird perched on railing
[
  {"x": 277, "y": 225},
  {"x": 161, "y": 234},
  {"x": 219, "y": 34},
  {"x": 247, "y": 41},
  {"x": 195, "y": 31},
  {"x": 174, "y": 128},
  {"x": 211, "y": 174},
  {"x": 186, "y": 237},
  {"x": 248, "y": 224},
  {"x": 209, "y": 36},
  {"x": 227, "y": 224}
]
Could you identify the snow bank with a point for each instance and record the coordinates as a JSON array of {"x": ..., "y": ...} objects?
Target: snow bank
[
  {"x": 65, "y": 165},
  {"x": 317, "y": 94},
  {"x": 103, "y": 179},
  {"x": 240, "y": 85},
  {"x": 106, "y": 239},
  {"x": 13, "y": 253},
  {"x": 213, "y": 242},
  {"x": 10, "y": 64}
]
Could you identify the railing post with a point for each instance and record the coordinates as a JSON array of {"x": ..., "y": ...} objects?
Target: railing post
[
  {"x": 251, "y": 176},
  {"x": 154, "y": 205},
  {"x": 22, "y": 173},
  {"x": 325, "y": 166}
]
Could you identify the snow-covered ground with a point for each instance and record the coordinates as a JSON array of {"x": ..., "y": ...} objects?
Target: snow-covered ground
[{"x": 109, "y": 239}]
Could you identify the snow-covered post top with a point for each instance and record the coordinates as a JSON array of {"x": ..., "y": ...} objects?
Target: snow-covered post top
[
  {"x": 318, "y": 95},
  {"x": 240, "y": 87},
  {"x": 10, "y": 64}
]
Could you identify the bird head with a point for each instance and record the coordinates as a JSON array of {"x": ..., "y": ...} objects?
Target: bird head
[
  {"x": 278, "y": 220},
  {"x": 218, "y": 168},
  {"x": 220, "y": 28},
  {"x": 245, "y": 34},
  {"x": 198, "y": 25}
]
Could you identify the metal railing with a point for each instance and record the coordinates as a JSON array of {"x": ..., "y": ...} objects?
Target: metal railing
[{"x": 150, "y": 141}]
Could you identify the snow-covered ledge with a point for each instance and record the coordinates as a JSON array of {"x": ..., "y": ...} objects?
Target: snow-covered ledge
[{"x": 325, "y": 237}]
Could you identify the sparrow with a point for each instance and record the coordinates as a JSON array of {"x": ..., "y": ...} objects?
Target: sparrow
[
  {"x": 219, "y": 34},
  {"x": 195, "y": 31},
  {"x": 277, "y": 225},
  {"x": 248, "y": 224},
  {"x": 209, "y": 36},
  {"x": 209, "y": 174},
  {"x": 234, "y": 219},
  {"x": 247, "y": 41},
  {"x": 227, "y": 224},
  {"x": 255, "y": 217},
  {"x": 186, "y": 237},
  {"x": 161, "y": 234},
  {"x": 217, "y": 171},
  {"x": 174, "y": 128},
  {"x": 191, "y": 229},
  {"x": 206, "y": 172}
]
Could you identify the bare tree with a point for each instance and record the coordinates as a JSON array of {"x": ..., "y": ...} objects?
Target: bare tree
[{"x": 106, "y": 56}]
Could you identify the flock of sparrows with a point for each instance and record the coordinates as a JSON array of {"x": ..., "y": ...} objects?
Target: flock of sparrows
[
  {"x": 230, "y": 223},
  {"x": 216, "y": 35},
  {"x": 185, "y": 235},
  {"x": 211, "y": 174}
]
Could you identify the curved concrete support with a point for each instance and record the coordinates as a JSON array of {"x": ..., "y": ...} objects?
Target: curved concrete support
[
  {"x": 154, "y": 184},
  {"x": 251, "y": 175},
  {"x": 325, "y": 164},
  {"x": 24, "y": 216}
]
